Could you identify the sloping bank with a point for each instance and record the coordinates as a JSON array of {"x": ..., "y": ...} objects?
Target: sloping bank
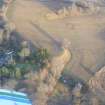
[{"x": 49, "y": 77}]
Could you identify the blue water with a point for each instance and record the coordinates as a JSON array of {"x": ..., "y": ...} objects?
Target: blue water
[{"x": 16, "y": 99}]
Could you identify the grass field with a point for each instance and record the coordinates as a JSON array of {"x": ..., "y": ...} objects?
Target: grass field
[{"x": 86, "y": 34}]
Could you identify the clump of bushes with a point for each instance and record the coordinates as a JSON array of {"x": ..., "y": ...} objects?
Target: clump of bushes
[
  {"x": 71, "y": 80},
  {"x": 41, "y": 57},
  {"x": 24, "y": 62},
  {"x": 12, "y": 72},
  {"x": 35, "y": 61}
]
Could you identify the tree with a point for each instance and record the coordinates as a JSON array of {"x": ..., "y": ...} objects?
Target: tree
[
  {"x": 5, "y": 72},
  {"x": 41, "y": 57},
  {"x": 11, "y": 69},
  {"x": 25, "y": 52},
  {"x": 18, "y": 74}
]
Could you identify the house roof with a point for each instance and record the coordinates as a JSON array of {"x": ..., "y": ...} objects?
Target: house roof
[{"x": 13, "y": 98}]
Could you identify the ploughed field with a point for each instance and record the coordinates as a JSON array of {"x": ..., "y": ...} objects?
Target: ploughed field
[{"x": 86, "y": 33}]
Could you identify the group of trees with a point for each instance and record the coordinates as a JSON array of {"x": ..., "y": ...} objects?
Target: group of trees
[
  {"x": 38, "y": 58},
  {"x": 41, "y": 57},
  {"x": 12, "y": 72},
  {"x": 24, "y": 63}
]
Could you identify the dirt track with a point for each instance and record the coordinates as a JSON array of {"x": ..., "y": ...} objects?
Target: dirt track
[{"x": 86, "y": 34}]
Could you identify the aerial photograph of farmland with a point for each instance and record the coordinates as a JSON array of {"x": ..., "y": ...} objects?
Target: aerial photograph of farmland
[{"x": 52, "y": 52}]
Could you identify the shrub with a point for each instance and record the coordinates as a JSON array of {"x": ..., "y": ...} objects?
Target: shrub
[{"x": 41, "y": 57}]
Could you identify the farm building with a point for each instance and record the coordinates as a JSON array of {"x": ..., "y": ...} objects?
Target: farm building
[{"x": 13, "y": 98}]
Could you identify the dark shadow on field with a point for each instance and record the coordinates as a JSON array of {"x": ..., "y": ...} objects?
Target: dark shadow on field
[
  {"x": 92, "y": 71},
  {"x": 87, "y": 69},
  {"x": 55, "y": 42},
  {"x": 101, "y": 35},
  {"x": 15, "y": 41},
  {"x": 55, "y": 5}
]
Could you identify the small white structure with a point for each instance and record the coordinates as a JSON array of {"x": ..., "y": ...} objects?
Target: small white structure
[
  {"x": 13, "y": 98},
  {"x": 77, "y": 90}
]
